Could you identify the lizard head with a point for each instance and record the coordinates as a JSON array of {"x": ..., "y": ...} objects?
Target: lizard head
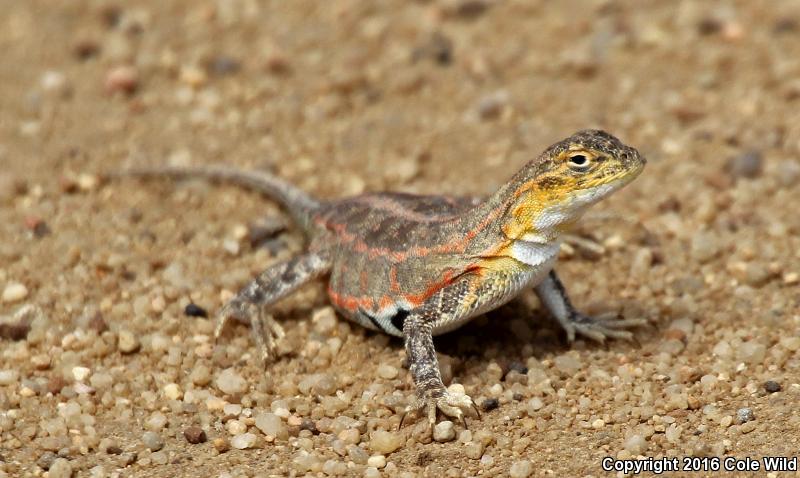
[{"x": 555, "y": 189}]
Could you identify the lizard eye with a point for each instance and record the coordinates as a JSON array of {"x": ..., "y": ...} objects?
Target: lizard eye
[{"x": 579, "y": 162}]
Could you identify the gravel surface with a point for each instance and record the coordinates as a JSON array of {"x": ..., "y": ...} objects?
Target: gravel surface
[{"x": 107, "y": 363}]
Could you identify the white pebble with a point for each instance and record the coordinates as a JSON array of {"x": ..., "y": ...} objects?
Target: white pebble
[
  {"x": 173, "y": 391},
  {"x": 244, "y": 441},
  {"x": 444, "y": 431},
  {"x": 635, "y": 445},
  {"x": 8, "y": 377},
  {"x": 371, "y": 472},
  {"x": 230, "y": 382},
  {"x": 127, "y": 342},
  {"x": 567, "y": 364},
  {"x": 156, "y": 422},
  {"x": 378, "y": 461},
  {"x": 387, "y": 371},
  {"x": 521, "y": 469},
  {"x": 61, "y": 468},
  {"x": 14, "y": 292},
  {"x": 235, "y": 427},
  {"x": 80, "y": 373},
  {"x": 271, "y": 425},
  {"x": 534, "y": 404}
]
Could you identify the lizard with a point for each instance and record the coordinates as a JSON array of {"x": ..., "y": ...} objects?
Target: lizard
[{"x": 416, "y": 266}]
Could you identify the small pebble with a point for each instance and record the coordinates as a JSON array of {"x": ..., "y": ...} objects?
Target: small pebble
[
  {"x": 474, "y": 450},
  {"x": 159, "y": 458},
  {"x": 383, "y": 442},
  {"x": 567, "y": 364},
  {"x": 444, "y": 431},
  {"x": 194, "y": 435},
  {"x": 244, "y": 441},
  {"x": 230, "y": 382},
  {"x": 221, "y": 445},
  {"x": 635, "y": 445},
  {"x": 80, "y": 373},
  {"x": 55, "y": 83},
  {"x": 46, "y": 460},
  {"x": 194, "y": 310},
  {"x": 744, "y": 415},
  {"x": 771, "y": 386},
  {"x": 17, "y": 331},
  {"x": 14, "y": 292},
  {"x": 490, "y": 404},
  {"x": 371, "y": 472},
  {"x": 156, "y": 422},
  {"x": 200, "y": 375},
  {"x": 378, "y": 461},
  {"x": 153, "y": 441},
  {"x": 61, "y": 468},
  {"x": 172, "y": 391},
  {"x": 122, "y": 79},
  {"x": 521, "y": 469},
  {"x": 271, "y": 425},
  {"x": 387, "y": 371},
  {"x": 127, "y": 342},
  {"x": 747, "y": 165},
  {"x": 8, "y": 377},
  {"x": 492, "y": 105}
]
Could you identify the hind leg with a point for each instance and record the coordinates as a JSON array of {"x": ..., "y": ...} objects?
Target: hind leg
[{"x": 270, "y": 286}]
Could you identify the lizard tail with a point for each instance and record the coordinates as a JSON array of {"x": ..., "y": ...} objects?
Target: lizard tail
[{"x": 299, "y": 204}]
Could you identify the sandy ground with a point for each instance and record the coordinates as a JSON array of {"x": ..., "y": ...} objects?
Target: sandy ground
[{"x": 103, "y": 374}]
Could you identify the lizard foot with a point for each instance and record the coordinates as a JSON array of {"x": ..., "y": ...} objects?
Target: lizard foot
[
  {"x": 599, "y": 329},
  {"x": 451, "y": 404},
  {"x": 266, "y": 332}
]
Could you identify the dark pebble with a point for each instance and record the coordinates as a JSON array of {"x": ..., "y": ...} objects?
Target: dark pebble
[
  {"x": 772, "y": 386},
  {"x": 490, "y": 404},
  {"x": 223, "y": 65},
  {"x": 195, "y": 435},
  {"x": 785, "y": 25},
  {"x": 709, "y": 26},
  {"x": 518, "y": 367},
  {"x": 471, "y": 9},
  {"x": 86, "y": 49},
  {"x": 46, "y": 460},
  {"x": 127, "y": 459},
  {"x": 746, "y": 165},
  {"x": 308, "y": 424},
  {"x": 437, "y": 47},
  {"x": 15, "y": 332},
  {"x": 114, "y": 450},
  {"x": 194, "y": 310},
  {"x": 98, "y": 324}
]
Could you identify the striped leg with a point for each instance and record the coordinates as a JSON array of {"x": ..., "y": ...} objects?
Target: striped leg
[
  {"x": 266, "y": 289},
  {"x": 554, "y": 297},
  {"x": 423, "y": 364}
]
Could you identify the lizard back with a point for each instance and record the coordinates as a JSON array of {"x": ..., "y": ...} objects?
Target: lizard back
[{"x": 394, "y": 250}]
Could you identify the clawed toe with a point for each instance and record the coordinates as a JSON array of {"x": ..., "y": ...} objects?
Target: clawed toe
[
  {"x": 451, "y": 404},
  {"x": 267, "y": 333},
  {"x": 601, "y": 329}
]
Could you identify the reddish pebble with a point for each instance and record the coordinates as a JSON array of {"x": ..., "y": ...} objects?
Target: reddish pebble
[
  {"x": 195, "y": 435},
  {"x": 123, "y": 79}
]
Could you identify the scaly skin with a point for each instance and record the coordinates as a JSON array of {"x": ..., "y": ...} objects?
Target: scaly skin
[{"x": 418, "y": 266}]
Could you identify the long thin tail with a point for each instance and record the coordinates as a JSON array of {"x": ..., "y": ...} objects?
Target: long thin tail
[{"x": 299, "y": 204}]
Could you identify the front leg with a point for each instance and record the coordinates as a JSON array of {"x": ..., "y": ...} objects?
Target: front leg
[
  {"x": 424, "y": 367},
  {"x": 554, "y": 297}
]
